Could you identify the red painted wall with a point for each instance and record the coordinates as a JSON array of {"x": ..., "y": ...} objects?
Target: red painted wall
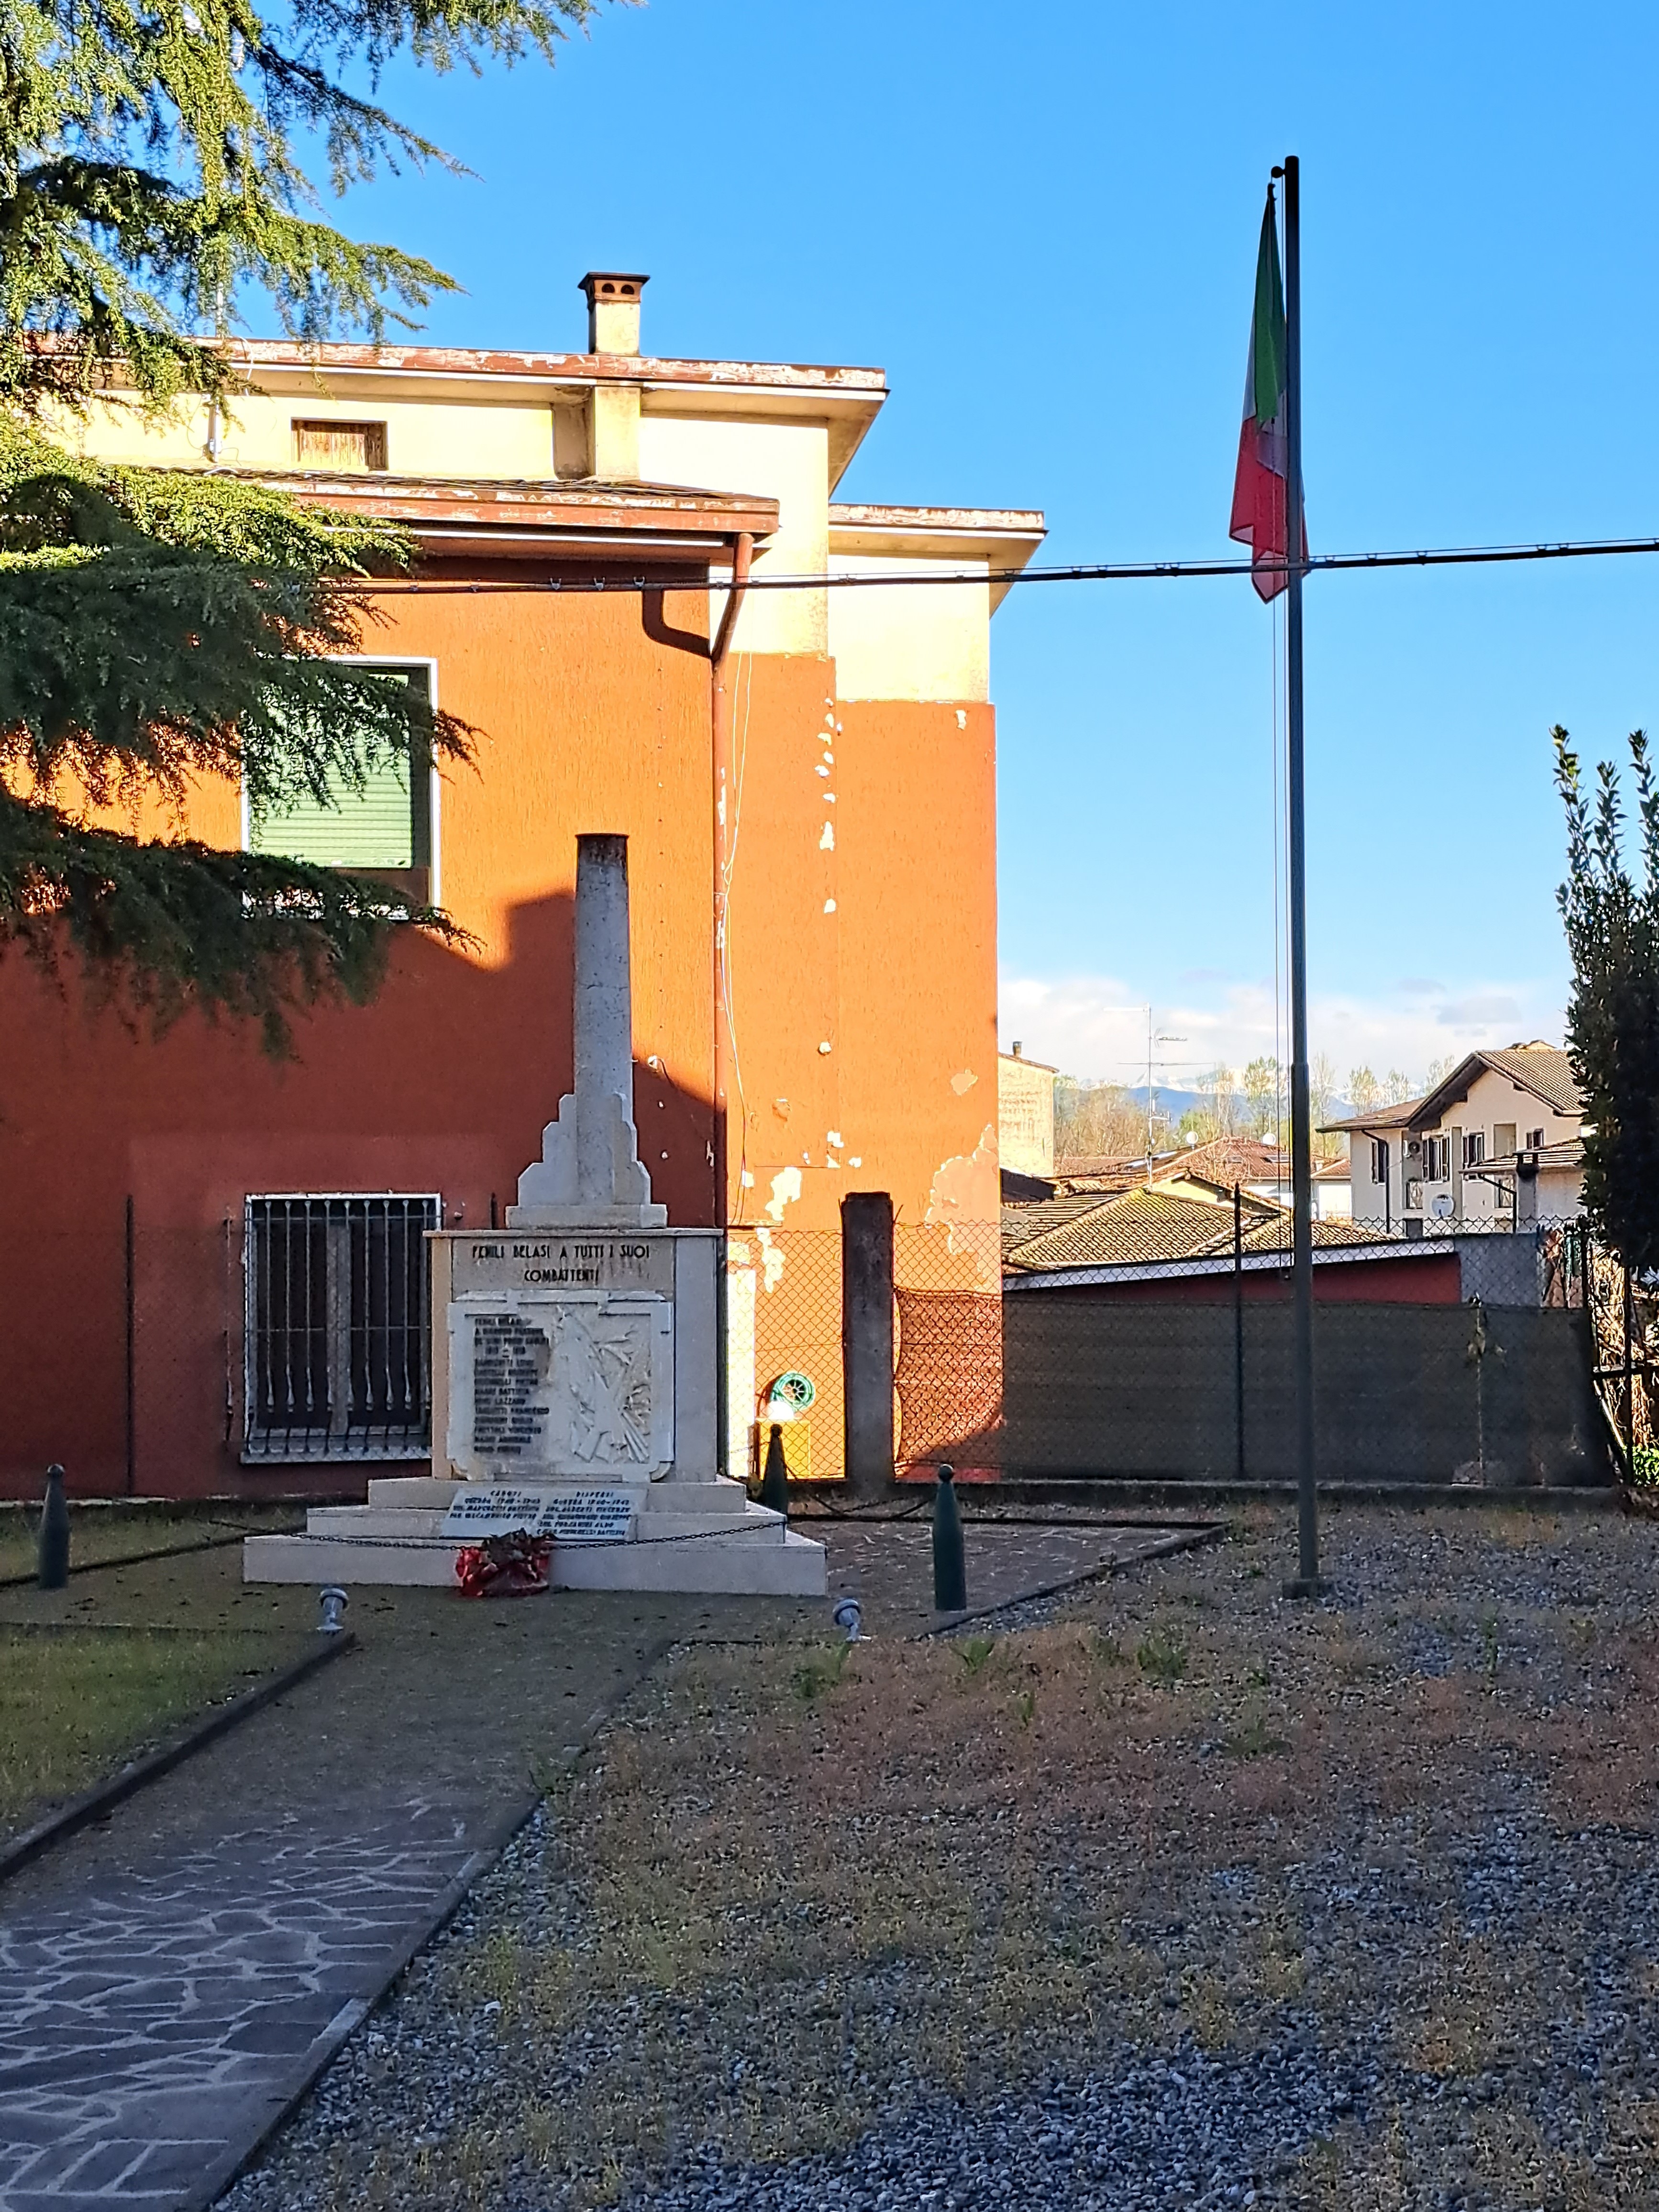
[
  {"x": 594, "y": 714},
  {"x": 586, "y": 723}
]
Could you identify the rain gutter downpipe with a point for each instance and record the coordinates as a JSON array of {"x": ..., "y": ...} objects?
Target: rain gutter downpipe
[{"x": 720, "y": 654}]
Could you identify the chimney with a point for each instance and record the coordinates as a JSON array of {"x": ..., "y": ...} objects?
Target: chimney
[
  {"x": 613, "y": 405},
  {"x": 613, "y": 310}
]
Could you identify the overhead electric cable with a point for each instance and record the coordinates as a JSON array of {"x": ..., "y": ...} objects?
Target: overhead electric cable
[{"x": 1443, "y": 557}]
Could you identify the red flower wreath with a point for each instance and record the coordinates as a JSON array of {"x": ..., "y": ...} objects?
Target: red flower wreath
[{"x": 505, "y": 1566}]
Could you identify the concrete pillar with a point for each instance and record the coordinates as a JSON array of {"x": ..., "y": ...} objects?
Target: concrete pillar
[
  {"x": 867, "y": 1338},
  {"x": 590, "y": 1173},
  {"x": 603, "y": 1014},
  {"x": 1525, "y": 1189}
]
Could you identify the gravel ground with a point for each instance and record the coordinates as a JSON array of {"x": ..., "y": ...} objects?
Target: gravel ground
[{"x": 1179, "y": 1895}]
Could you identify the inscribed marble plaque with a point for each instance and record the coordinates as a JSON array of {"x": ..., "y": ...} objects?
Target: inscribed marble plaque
[
  {"x": 515, "y": 1259},
  {"x": 561, "y": 1383},
  {"x": 570, "y": 1516}
]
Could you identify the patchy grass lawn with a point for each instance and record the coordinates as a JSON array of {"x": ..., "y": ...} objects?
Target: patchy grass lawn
[
  {"x": 102, "y": 1533},
  {"x": 77, "y": 1704},
  {"x": 798, "y": 1890}
]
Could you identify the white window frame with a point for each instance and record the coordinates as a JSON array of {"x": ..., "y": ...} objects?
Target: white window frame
[{"x": 434, "y": 810}]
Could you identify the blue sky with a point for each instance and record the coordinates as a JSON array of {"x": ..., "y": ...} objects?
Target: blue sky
[{"x": 1042, "y": 223}]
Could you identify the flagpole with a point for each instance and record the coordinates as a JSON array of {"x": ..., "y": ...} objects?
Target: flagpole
[{"x": 1307, "y": 1583}]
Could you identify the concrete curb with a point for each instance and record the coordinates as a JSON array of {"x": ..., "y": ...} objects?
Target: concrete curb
[
  {"x": 352, "y": 2014},
  {"x": 1189, "y": 1540},
  {"x": 104, "y": 1796}
]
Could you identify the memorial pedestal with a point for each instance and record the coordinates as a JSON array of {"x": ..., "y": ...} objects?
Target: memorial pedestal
[
  {"x": 573, "y": 1394},
  {"x": 575, "y": 1357}
]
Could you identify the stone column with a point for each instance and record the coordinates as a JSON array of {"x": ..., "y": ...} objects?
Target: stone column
[
  {"x": 603, "y": 1014},
  {"x": 590, "y": 1174}
]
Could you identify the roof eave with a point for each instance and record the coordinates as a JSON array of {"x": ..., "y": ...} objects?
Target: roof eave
[
  {"x": 514, "y": 518},
  {"x": 1005, "y": 538}
]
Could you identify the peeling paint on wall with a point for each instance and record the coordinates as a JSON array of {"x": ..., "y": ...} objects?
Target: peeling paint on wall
[
  {"x": 786, "y": 1188},
  {"x": 963, "y": 1081},
  {"x": 771, "y": 1257},
  {"x": 965, "y": 1197}
]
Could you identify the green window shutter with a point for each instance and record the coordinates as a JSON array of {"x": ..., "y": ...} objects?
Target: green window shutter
[{"x": 384, "y": 825}]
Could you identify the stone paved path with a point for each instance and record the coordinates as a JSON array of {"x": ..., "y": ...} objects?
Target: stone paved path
[
  {"x": 152, "y": 2028},
  {"x": 169, "y": 1980}
]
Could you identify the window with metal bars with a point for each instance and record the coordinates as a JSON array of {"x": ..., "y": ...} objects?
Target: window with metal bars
[{"x": 338, "y": 1325}]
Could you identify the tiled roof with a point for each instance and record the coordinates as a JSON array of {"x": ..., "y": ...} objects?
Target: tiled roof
[
  {"x": 1224, "y": 1161},
  {"x": 1543, "y": 1069},
  {"x": 441, "y": 504},
  {"x": 1379, "y": 1117},
  {"x": 1143, "y": 1225},
  {"x": 1569, "y": 1153},
  {"x": 1275, "y": 1236},
  {"x": 1023, "y": 1223},
  {"x": 1138, "y": 1225}
]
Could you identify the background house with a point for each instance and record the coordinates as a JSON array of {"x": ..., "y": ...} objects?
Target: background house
[
  {"x": 1501, "y": 1121},
  {"x": 225, "y": 1256},
  {"x": 1026, "y": 1114}
]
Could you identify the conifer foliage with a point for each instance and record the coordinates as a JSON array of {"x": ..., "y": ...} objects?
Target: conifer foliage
[
  {"x": 1612, "y": 920},
  {"x": 157, "y": 626}
]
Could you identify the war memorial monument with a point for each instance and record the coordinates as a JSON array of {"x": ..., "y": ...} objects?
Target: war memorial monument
[{"x": 575, "y": 1359}]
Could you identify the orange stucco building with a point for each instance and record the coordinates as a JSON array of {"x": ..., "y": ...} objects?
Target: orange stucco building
[{"x": 211, "y": 1260}]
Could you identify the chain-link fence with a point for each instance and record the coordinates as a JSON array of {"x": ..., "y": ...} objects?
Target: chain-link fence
[
  {"x": 1624, "y": 1313},
  {"x": 282, "y": 1349},
  {"x": 1463, "y": 1358},
  {"x": 785, "y": 1336},
  {"x": 288, "y": 1355}
]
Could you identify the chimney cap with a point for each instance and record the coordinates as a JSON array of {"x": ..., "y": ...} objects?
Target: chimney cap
[{"x": 612, "y": 285}]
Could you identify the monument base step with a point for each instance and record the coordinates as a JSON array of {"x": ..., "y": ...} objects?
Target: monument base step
[{"x": 757, "y": 1557}]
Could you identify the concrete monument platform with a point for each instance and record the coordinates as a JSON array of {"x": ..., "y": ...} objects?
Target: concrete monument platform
[
  {"x": 574, "y": 1360},
  {"x": 714, "y": 1546}
]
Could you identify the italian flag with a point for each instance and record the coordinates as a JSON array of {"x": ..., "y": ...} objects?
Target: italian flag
[{"x": 1259, "y": 503}]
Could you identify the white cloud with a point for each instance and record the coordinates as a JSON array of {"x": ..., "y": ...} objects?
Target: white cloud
[{"x": 1091, "y": 1026}]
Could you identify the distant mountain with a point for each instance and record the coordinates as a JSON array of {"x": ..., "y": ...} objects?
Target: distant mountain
[{"x": 1173, "y": 1103}]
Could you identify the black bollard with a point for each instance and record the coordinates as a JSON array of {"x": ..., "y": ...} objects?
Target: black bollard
[
  {"x": 53, "y": 1554},
  {"x": 950, "y": 1563},
  {"x": 774, "y": 1478}
]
